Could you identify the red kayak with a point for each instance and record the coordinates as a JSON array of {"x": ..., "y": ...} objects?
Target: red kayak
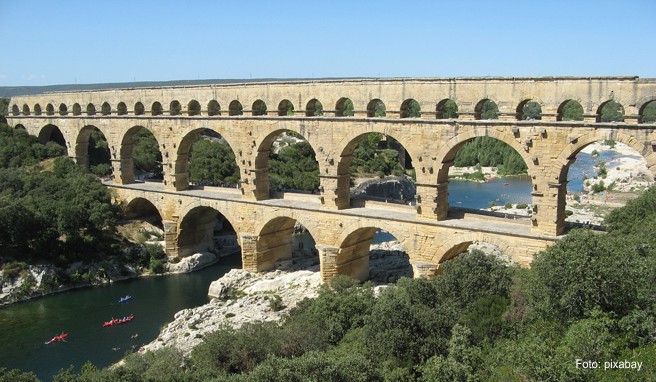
[
  {"x": 118, "y": 321},
  {"x": 58, "y": 338}
]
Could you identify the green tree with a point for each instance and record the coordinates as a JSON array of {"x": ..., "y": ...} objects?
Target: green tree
[
  {"x": 532, "y": 111},
  {"x": 572, "y": 111},
  {"x": 99, "y": 156},
  {"x": 612, "y": 112},
  {"x": 212, "y": 161},
  {"x": 489, "y": 110},
  {"x": 4, "y": 104},
  {"x": 649, "y": 113},
  {"x": 348, "y": 108},
  {"x": 448, "y": 110},
  {"x": 146, "y": 154}
]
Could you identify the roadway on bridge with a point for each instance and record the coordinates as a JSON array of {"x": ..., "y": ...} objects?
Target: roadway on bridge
[{"x": 309, "y": 202}]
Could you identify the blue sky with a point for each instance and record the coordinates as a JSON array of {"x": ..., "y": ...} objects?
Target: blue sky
[{"x": 66, "y": 41}]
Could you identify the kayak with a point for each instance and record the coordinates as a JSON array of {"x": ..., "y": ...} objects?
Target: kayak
[
  {"x": 118, "y": 321},
  {"x": 58, "y": 338},
  {"x": 124, "y": 299}
]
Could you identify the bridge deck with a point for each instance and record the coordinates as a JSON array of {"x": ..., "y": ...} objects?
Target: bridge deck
[{"x": 395, "y": 212}]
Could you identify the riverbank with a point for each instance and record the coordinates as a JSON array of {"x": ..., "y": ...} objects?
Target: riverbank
[{"x": 21, "y": 282}]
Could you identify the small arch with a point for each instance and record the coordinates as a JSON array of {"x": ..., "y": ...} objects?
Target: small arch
[
  {"x": 213, "y": 108},
  {"x": 446, "y": 109},
  {"x": 140, "y": 155},
  {"x": 77, "y": 109},
  {"x": 275, "y": 243},
  {"x": 486, "y": 109},
  {"x": 50, "y": 110},
  {"x": 410, "y": 109},
  {"x": 157, "y": 109},
  {"x": 121, "y": 108},
  {"x": 259, "y": 108},
  {"x": 344, "y": 108},
  {"x": 106, "y": 109},
  {"x": 37, "y": 109},
  {"x": 235, "y": 108},
  {"x": 175, "y": 108},
  {"x": 314, "y": 108},
  {"x": 529, "y": 110},
  {"x": 358, "y": 254},
  {"x": 199, "y": 229},
  {"x": 376, "y": 108},
  {"x": 193, "y": 108},
  {"x": 202, "y": 167},
  {"x": 52, "y": 133},
  {"x": 570, "y": 110},
  {"x": 648, "y": 112},
  {"x": 610, "y": 111},
  {"x": 63, "y": 109},
  {"x": 91, "y": 109},
  {"x": 285, "y": 108},
  {"x": 26, "y": 109},
  {"x": 491, "y": 246},
  {"x": 144, "y": 210},
  {"x": 139, "y": 108},
  {"x": 15, "y": 110}
]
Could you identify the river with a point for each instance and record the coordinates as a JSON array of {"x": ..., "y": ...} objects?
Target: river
[{"x": 80, "y": 312}]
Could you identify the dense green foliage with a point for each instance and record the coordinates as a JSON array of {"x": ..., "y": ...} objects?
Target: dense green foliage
[
  {"x": 58, "y": 215},
  {"x": 572, "y": 111},
  {"x": 612, "y": 112},
  {"x": 146, "y": 154},
  {"x": 4, "y": 104},
  {"x": 375, "y": 156},
  {"x": 589, "y": 296},
  {"x": 294, "y": 167},
  {"x": 649, "y": 113},
  {"x": 531, "y": 111},
  {"x": 213, "y": 162},
  {"x": 488, "y": 151},
  {"x": 448, "y": 109},
  {"x": 18, "y": 148},
  {"x": 100, "y": 163},
  {"x": 488, "y": 110}
]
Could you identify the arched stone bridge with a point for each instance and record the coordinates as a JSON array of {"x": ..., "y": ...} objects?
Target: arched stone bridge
[{"x": 175, "y": 116}]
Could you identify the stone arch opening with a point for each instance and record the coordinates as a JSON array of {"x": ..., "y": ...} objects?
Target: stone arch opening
[
  {"x": 446, "y": 109},
  {"x": 139, "y": 108},
  {"x": 19, "y": 126},
  {"x": 121, "y": 108},
  {"x": 205, "y": 158},
  {"x": 370, "y": 253},
  {"x": 259, "y": 108},
  {"x": 344, "y": 108},
  {"x": 37, "y": 109},
  {"x": 529, "y": 110},
  {"x": 213, "y": 108},
  {"x": 26, "y": 109},
  {"x": 287, "y": 163},
  {"x": 91, "y": 109},
  {"x": 648, "y": 112},
  {"x": 193, "y": 108},
  {"x": 63, "y": 109},
  {"x": 285, "y": 108},
  {"x": 379, "y": 168},
  {"x": 570, "y": 110},
  {"x": 143, "y": 209},
  {"x": 50, "y": 110},
  {"x": 235, "y": 108},
  {"x": 610, "y": 111},
  {"x": 205, "y": 229},
  {"x": 15, "y": 110},
  {"x": 52, "y": 133},
  {"x": 157, "y": 109},
  {"x": 488, "y": 247},
  {"x": 77, "y": 109},
  {"x": 106, "y": 109},
  {"x": 485, "y": 175},
  {"x": 314, "y": 108},
  {"x": 602, "y": 174},
  {"x": 175, "y": 108},
  {"x": 376, "y": 108},
  {"x": 410, "y": 109},
  {"x": 92, "y": 151},
  {"x": 284, "y": 243},
  {"x": 141, "y": 158},
  {"x": 486, "y": 109}
]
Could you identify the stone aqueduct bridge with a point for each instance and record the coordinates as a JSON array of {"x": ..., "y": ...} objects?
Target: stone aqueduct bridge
[{"x": 250, "y": 116}]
